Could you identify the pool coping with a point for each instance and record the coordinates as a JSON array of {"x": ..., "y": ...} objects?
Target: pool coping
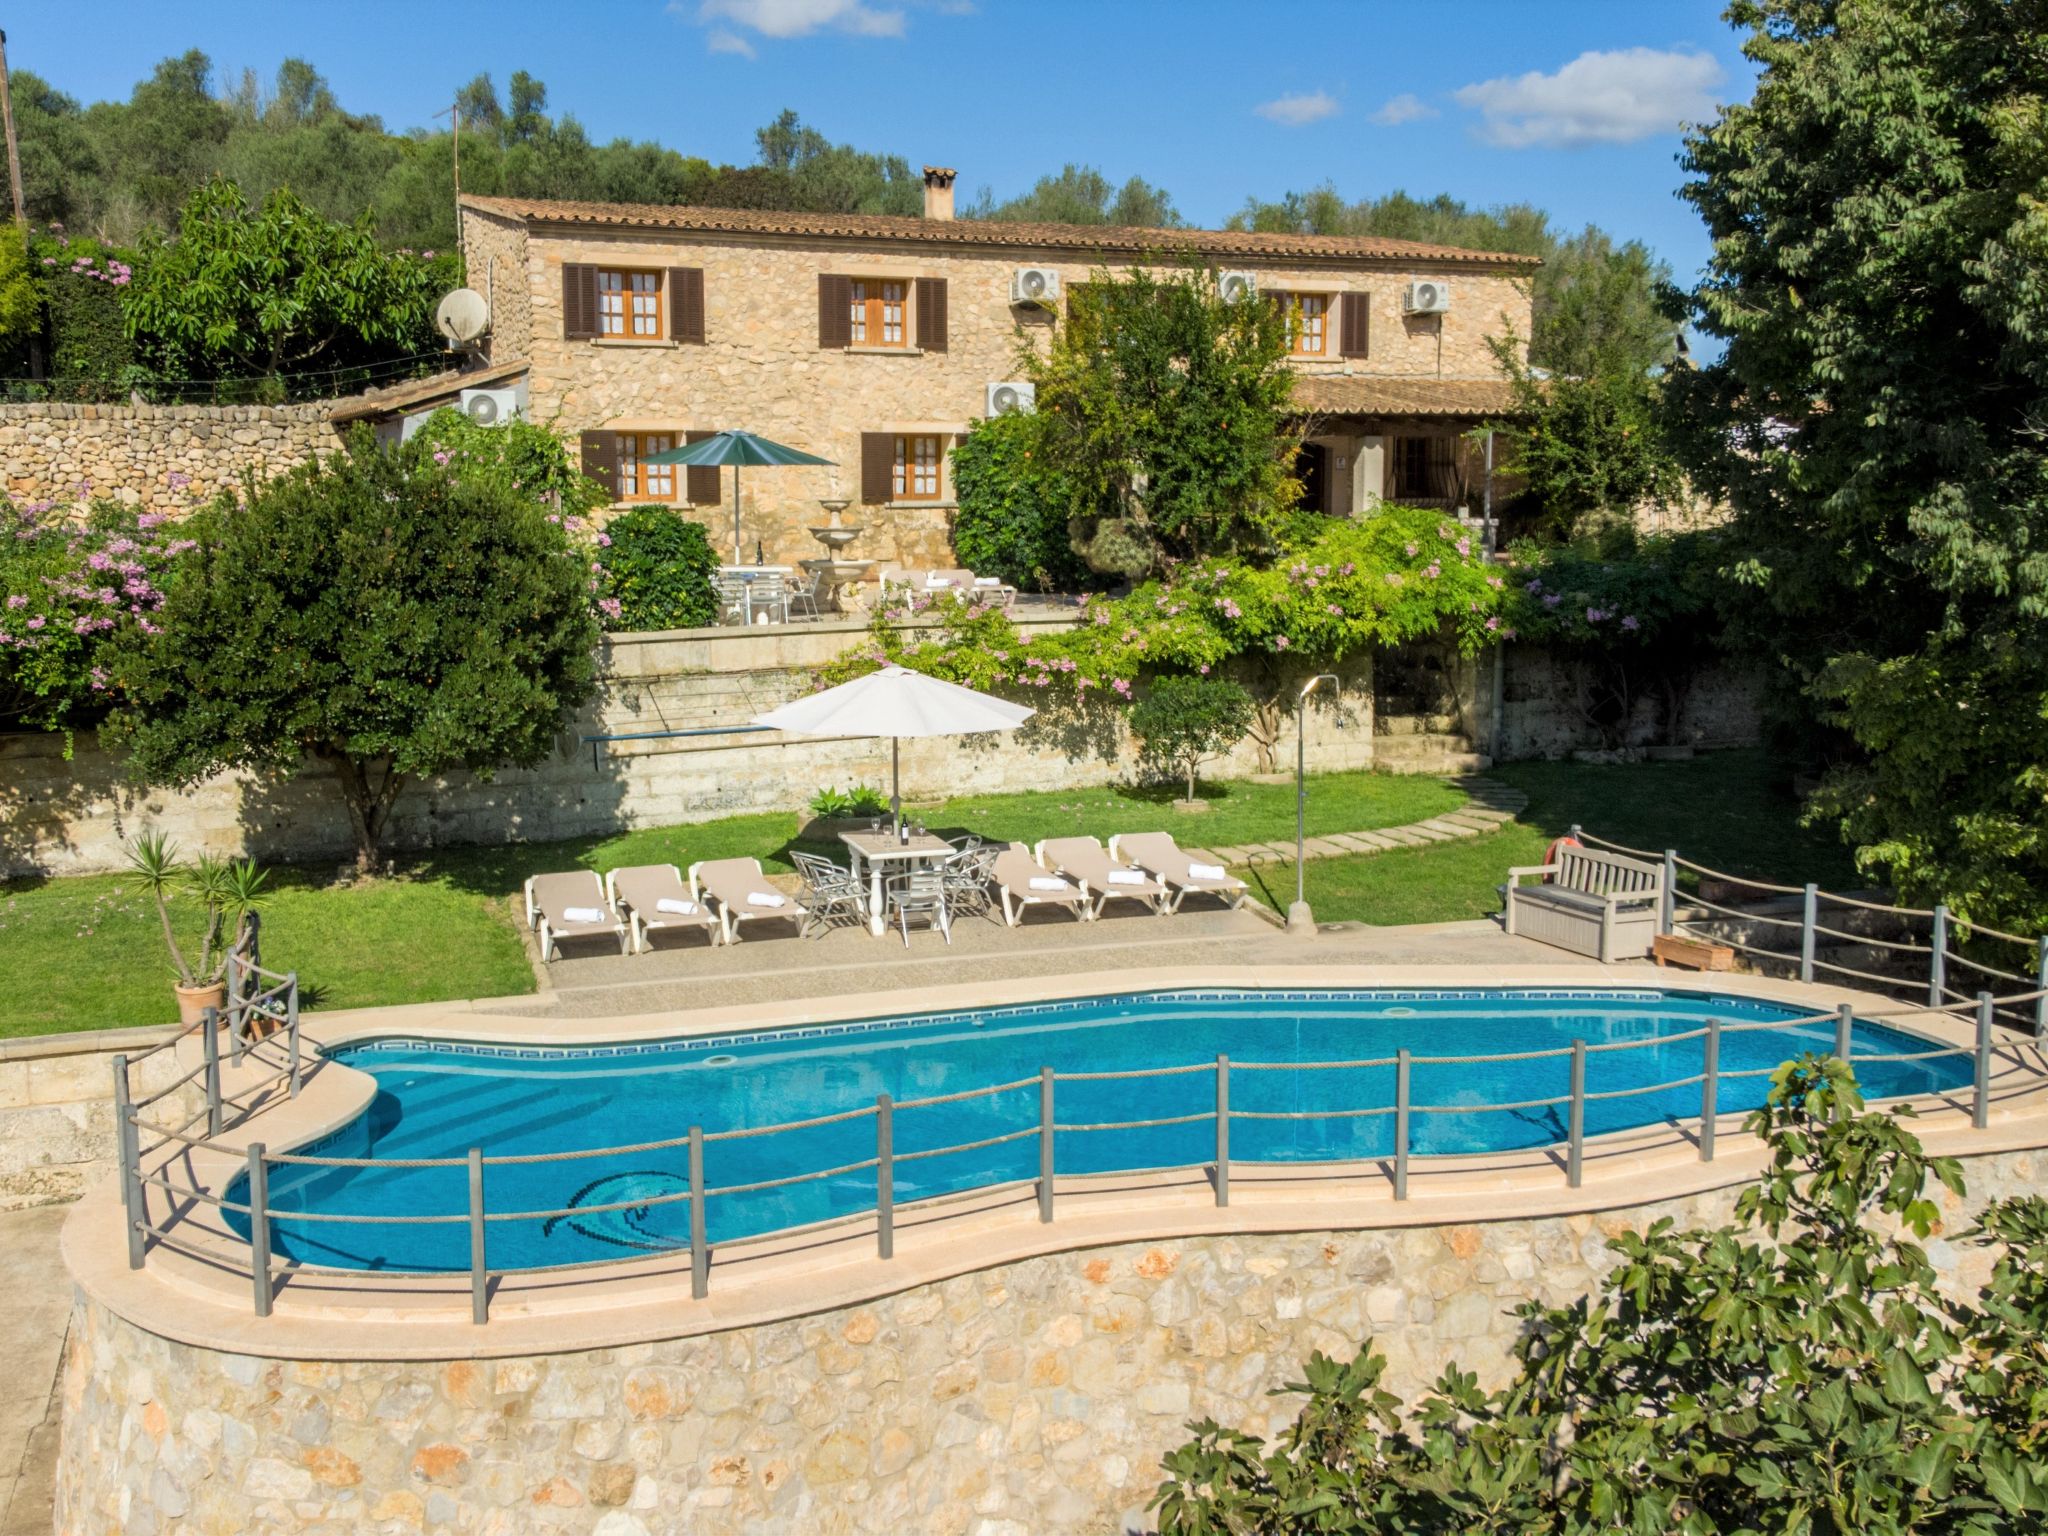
[{"x": 199, "y": 1296}]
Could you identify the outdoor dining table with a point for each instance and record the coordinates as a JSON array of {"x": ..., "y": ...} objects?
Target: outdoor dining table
[
  {"x": 876, "y": 851},
  {"x": 747, "y": 575}
]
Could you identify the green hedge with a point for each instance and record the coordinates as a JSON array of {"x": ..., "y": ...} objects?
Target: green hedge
[
  {"x": 1012, "y": 520},
  {"x": 657, "y": 568}
]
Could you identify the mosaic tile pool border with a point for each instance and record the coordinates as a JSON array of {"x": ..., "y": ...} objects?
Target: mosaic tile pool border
[{"x": 943, "y": 1017}]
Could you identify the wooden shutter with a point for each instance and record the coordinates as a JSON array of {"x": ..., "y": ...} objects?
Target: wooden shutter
[
  {"x": 686, "y": 304},
  {"x": 579, "y": 302},
  {"x": 601, "y": 461},
  {"x": 1354, "y": 339},
  {"x": 835, "y": 311},
  {"x": 877, "y": 461},
  {"x": 703, "y": 484},
  {"x": 931, "y": 314},
  {"x": 1336, "y": 484}
]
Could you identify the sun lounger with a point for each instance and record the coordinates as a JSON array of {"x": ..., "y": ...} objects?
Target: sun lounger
[
  {"x": 1107, "y": 879},
  {"x": 1022, "y": 882},
  {"x": 571, "y": 906},
  {"x": 1161, "y": 857},
  {"x": 742, "y": 893},
  {"x": 655, "y": 898}
]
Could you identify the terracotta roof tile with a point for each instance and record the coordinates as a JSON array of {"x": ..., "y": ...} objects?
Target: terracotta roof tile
[
  {"x": 1246, "y": 244},
  {"x": 450, "y": 382},
  {"x": 1353, "y": 395}
]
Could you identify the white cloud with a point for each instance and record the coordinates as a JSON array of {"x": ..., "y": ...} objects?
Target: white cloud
[
  {"x": 722, "y": 41},
  {"x": 1405, "y": 108},
  {"x": 1298, "y": 110},
  {"x": 799, "y": 18},
  {"x": 1598, "y": 98}
]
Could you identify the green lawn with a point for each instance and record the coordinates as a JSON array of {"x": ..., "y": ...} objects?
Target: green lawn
[
  {"x": 85, "y": 953},
  {"x": 1732, "y": 811}
]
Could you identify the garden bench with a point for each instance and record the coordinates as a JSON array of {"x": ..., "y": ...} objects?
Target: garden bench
[{"x": 1593, "y": 903}]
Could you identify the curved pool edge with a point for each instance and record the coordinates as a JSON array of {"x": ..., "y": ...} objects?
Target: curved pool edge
[{"x": 203, "y": 1299}]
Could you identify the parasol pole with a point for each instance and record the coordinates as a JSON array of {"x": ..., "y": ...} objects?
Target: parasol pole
[
  {"x": 735, "y": 514},
  {"x": 896, "y": 784}
]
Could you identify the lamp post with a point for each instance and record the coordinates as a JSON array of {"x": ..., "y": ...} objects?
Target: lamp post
[{"x": 1300, "y": 920}]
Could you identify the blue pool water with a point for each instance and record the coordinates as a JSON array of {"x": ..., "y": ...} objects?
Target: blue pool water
[{"x": 437, "y": 1099}]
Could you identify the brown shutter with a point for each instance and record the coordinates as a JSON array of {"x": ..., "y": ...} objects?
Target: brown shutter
[
  {"x": 601, "y": 461},
  {"x": 1355, "y": 337},
  {"x": 931, "y": 314},
  {"x": 579, "y": 301},
  {"x": 1336, "y": 484},
  {"x": 877, "y": 461},
  {"x": 703, "y": 485},
  {"x": 835, "y": 311},
  {"x": 686, "y": 305}
]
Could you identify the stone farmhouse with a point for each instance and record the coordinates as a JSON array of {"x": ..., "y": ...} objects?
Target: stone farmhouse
[{"x": 875, "y": 342}]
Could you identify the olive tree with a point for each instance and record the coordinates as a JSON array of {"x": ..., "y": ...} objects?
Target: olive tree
[{"x": 377, "y": 611}]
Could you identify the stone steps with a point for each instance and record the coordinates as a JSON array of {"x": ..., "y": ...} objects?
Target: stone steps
[{"x": 1489, "y": 806}]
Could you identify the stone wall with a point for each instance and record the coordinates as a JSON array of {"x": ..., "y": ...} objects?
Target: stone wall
[
  {"x": 162, "y": 458},
  {"x": 1032, "y": 1399},
  {"x": 71, "y": 815},
  {"x": 761, "y": 366},
  {"x": 1546, "y": 697},
  {"x": 57, "y": 1110}
]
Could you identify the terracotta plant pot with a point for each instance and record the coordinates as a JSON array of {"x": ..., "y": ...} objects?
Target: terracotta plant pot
[{"x": 194, "y": 1001}]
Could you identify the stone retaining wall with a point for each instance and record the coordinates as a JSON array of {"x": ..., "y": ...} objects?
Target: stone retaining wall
[
  {"x": 162, "y": 458},
  {"x": 57, "y": 1110},
  {"x": 1027, "y": 1400}
]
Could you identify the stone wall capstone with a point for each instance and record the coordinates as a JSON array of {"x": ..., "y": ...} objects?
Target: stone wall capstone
[
  {"x": 1033, "y": 1399},
  {"x": 57, "y": 1110},
  {"x": 160, "y": 458}
]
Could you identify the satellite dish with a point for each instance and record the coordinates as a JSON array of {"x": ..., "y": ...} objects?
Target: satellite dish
[{"x": 462, "y": 316}]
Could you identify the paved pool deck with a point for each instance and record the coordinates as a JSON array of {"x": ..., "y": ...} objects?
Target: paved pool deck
[
  {"x": 775, "y": 966},
  {"x": 32, "y": 1326}
]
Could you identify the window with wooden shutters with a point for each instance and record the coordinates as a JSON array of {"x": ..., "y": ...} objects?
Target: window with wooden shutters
[
  {"x": 703, "y": 486},
  {"x": 686, "y": 305},
  {"x": 931, "y": 314},
  {"x": 835, "y": 304},
  {"x": 639, "y": 480},
  {"x": 601, "y": 460},
  {"x": 914, "y": 460},
  {"x": 877, "y": 456},
  {"x": 579, "y": 302},
  {"x": 878, "y": 312},
  {"x": 629, "y": 304},
  {"x": 1355, "y": 316},
  {"x": 1308, "y": 322}
]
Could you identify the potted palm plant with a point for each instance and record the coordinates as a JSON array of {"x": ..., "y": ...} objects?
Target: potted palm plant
[{"x": 228, "y": 889}]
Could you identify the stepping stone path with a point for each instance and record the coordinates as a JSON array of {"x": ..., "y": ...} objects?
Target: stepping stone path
[{"x": 1489, "y": 803}]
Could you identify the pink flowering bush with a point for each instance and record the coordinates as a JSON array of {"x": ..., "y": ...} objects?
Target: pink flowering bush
[{"x": 72, "y": 580}]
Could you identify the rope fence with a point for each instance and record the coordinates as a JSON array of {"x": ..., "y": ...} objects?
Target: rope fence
[{"x": 1044, "y": 1126}]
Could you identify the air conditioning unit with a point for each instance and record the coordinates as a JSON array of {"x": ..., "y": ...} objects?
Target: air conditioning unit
[
  {"x": 1035, "y": 285},
  {"x": 493, "y": 407},
  {"x": 1237, "y": 287},
  {"x": 1015, "y": 395},
  {"x": 1426, "y": 298}
]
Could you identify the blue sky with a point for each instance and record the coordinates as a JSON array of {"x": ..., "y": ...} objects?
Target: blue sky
[{"x": 1573, "y": 107}]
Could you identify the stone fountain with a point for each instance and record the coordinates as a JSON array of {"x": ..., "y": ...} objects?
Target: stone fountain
[{"x": 842, "y": 575}]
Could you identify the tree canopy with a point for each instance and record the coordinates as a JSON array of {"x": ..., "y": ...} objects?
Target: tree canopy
[
  {"x": 380, "y": 611},
  {"x": 1879, "y": 213}
]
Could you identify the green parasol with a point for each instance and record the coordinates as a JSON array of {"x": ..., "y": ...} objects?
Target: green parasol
[{"x": 734, "y": 448}]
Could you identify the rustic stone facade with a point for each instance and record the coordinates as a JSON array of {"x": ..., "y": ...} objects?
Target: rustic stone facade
[
  {"x": 761, "y": 366},
  {"x": 1031, "y": 1399},
  {"x": 161, "y": 458},
  {"x": 57, "y": 1110}
]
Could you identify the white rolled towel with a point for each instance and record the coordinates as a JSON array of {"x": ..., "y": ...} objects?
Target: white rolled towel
[
  {"x": 583, "y": 914},
  {"x": 1125, "y": 877},
  {"x": 765, "y": 899},
  {"x": 938, "y": 582},
  {"x": 988, "y": 581},
  {"x": 1048, "y": 883},
  {"x": 671, "y": 904},
  {"x": 1207, "y": 871}
]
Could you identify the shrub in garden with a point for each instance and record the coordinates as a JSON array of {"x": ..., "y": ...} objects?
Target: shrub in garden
[
  {"x": 378, "y": 611},
  {"x": 1181, "y": 722},
  {"x": 1014, "y": 510},
  {"x": 657, "y": 567},
  {"x": 1796, "y": 1371},
  {"x": 72, "y": 582}
]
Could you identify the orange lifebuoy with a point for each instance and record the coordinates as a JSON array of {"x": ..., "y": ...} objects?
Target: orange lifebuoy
[{"x": 1557, "y": 845}]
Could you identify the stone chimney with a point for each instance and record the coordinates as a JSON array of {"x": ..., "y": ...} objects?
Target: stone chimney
[{"x": 938, "y": 191}]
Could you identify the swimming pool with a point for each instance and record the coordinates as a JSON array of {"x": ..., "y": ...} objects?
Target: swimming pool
[{"x": 438, "y": 1099}]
